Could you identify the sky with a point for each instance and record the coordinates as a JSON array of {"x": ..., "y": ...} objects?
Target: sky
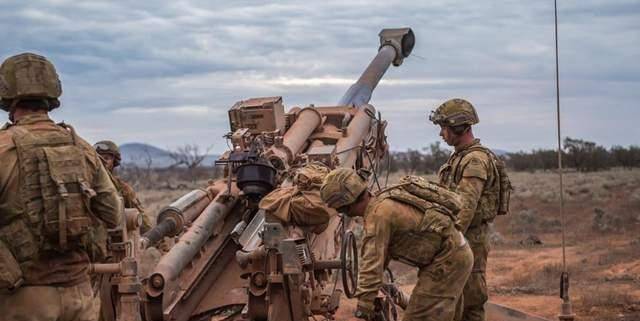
[{"x": 166, "y": 72}]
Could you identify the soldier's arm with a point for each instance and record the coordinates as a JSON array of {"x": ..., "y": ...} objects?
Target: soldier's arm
[
  {"x": 106, "y": 205},
  {"x": 470, "y": 188},
  {"x": 372, "y": 262}
]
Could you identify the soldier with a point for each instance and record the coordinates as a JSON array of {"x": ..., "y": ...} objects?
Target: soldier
[
  {"x": 53, "y": 189},
  {"x": 478, "y": 176},
  {"x": 395, "y": 227},
  {"x": 110, "y": 156}
]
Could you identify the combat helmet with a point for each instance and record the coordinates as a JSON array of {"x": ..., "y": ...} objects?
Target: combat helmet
[
  {"x": 108, "y": 147},
  {"x": 341, "y": 187},
  {"x": 454, "y": 112},
  {"x": 29, "y": 76}
]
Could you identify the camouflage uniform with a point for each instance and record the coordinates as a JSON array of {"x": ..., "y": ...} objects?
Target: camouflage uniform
[
  {"x": 428, "y": 240},
  {"x": 52, "y": 189},
  {"x": 473, "y": 176},
  {"x": 472, "y": 172},
  {"x": 61, "y": 277},
  {"x": 392, "y": 231},
  {"x": 100, "y": 253},
  {"x": 126, "y": 191}
]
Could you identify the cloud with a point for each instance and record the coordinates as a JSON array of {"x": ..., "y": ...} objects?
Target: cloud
[{"x": 166, "y": 72}]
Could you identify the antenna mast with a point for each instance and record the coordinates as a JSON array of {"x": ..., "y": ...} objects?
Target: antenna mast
[{"x": 566, "y": 313}]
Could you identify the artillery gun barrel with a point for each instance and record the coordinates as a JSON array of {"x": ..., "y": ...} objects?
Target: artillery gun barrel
[
  {"x": 172, "y": 218},
  {"x": 395, "y": 45},
  {"x": 190, "y": 243}
]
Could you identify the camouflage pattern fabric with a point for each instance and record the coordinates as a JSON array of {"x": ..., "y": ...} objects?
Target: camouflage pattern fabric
[
  {"x": 304, "y": 209},
  {"x": 430, "y": 241},
  {"x": 28, "y": 75},
  {"x": 341, "y": 187},
  {"x": 454, "y": 112},
  {"x": 49, "y": 303},
  {"x": 300, "y": 205},
  {"x": 474, "y": 176},
  {"x": 45, "y": 267},
  {"x": 109, "y": 147}
]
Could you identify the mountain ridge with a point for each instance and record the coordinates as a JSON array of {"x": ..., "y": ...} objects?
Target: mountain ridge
[{"x": 137, "y": 154}]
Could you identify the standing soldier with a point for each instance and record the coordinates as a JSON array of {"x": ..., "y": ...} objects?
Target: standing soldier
[
  {"x": 53, "y": 189},
  {"x": 403, "y": 227},
  {"x": 478, "y": 176},
  {"x": 110, "y": 156}
]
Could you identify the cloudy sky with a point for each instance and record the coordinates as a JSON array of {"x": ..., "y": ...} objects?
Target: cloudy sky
[{"x": 165, "y": 72}]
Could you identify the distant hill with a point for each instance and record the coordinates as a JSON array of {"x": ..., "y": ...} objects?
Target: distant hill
[{"x": 136, "y": 154}]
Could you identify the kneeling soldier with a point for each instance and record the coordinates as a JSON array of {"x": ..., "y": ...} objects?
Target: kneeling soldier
[{"x": 397, "y": 226}]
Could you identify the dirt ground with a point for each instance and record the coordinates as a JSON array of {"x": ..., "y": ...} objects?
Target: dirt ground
[{"x": 602, "y": 253}]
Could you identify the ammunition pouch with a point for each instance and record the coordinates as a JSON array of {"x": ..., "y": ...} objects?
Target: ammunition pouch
[
  {"x": 10, "y": 272},
  {"x": 54, "y": 186},
  {"x": 70, "y": 219},
  {"x": 496, "y": 195},
  {"x": 495, "y": 201}
]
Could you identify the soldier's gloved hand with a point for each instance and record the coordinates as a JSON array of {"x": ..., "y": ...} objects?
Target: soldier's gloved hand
[{"x": 364, "y": 312}]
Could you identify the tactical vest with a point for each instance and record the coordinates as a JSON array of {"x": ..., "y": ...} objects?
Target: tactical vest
[
  {"x": 54, "y": 186},
  {"x": 497, "y": 189},
  {"x": 437, "y": 228}
]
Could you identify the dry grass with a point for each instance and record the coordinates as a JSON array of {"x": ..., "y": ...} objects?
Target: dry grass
[
  {"x": 603, "y": 232},
  {"x": 606, "y": 296},
  {"x": 539, "y": 281}
]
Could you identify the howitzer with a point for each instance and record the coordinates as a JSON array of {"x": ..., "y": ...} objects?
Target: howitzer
[
  {"x": 234, "y": 260},
  {"x": 238, "y": 258}
]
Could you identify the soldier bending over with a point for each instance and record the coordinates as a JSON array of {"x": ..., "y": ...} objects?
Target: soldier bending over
[{"x": 397, "y": 228}]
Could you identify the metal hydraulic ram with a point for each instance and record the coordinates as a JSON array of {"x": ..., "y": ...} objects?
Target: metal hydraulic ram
[
  {"x": 190, "y": 243},
  {"x": 172, "y": 218}
]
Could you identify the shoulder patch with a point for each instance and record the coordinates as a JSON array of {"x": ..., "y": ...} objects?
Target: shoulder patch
[{"x": 476, "y": 166}]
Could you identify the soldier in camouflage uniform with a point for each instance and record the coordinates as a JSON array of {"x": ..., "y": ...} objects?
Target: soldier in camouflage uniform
[
  {"x": 53, "y": 189},
  {"x": 110, "y": 156},
  {"x": 478, "y": 176},
  {"x": 395, "y": 227}
]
